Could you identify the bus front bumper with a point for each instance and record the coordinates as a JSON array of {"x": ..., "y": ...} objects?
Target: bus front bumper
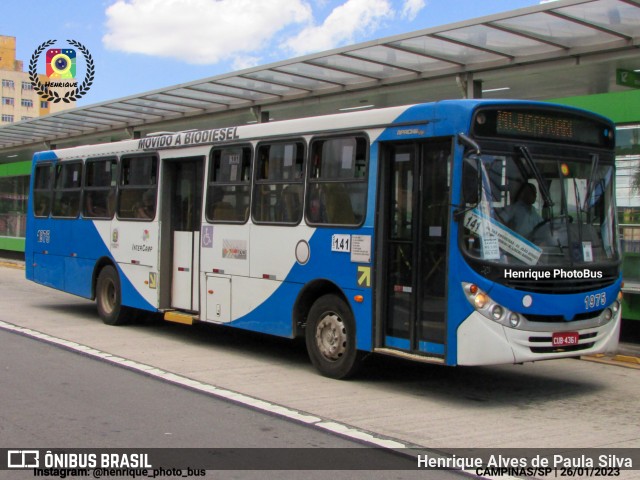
[{"x": 484, "y": 342}]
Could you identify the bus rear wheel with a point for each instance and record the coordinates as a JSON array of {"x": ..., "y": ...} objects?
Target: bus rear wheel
[
  {"x": 109, "y": 297},
  {"x": 331, "y": 337}
]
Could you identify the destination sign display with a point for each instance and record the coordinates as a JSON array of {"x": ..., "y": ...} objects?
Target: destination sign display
[{"x": 542, "y": 125}]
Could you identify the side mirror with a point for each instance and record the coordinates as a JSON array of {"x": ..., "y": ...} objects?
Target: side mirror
[
  {"x": 471, "y": 185},
  {"x": 472, "y": 180},
  {"x": 469, "y": 143}
]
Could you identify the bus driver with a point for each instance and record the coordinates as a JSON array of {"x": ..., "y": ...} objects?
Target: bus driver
[{"x": 522, "y": 215}]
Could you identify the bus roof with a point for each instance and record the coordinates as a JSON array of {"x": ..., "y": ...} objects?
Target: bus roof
[{"x": 459, "y": 111}]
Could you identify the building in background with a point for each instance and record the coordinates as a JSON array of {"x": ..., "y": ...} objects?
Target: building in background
[
  {"x": 19, "y": 99},
  {"x": 20, "y": 102}
]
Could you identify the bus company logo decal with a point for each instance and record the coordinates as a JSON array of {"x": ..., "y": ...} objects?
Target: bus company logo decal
[
  {"x": 234, "y": 249},
  {"x": 61, "y": 72},
  {"x": 141, "y": 248},
  {"x": 410, "y": 131},
  {"x": 145, "y": 235}
]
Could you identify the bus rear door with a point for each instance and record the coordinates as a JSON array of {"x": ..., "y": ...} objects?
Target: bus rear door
[{"x": 181, "y": 191}]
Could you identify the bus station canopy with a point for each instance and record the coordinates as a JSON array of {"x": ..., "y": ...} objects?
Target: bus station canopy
[{"x": 564, "y": 48}]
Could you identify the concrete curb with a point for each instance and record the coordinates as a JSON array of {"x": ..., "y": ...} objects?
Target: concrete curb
[
  {"x": 626, "y": 361},
  {"x": 12, "y": 264}
]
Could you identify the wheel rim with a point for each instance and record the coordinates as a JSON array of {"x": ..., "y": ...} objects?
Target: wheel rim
[
  {"x": 331, "y": 337},
  {"x": 108, "y": 296}
]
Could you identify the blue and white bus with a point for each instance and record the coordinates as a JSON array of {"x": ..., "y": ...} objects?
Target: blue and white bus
[{"x": 469, "y": 232}]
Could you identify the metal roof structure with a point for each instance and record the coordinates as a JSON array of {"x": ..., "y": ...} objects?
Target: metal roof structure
[{"x": 566, "y": 33}]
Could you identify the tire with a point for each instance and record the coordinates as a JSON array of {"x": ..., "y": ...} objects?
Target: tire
[
  {"x": 331, "y": 338},
  {"x": 109, "y": 297}
]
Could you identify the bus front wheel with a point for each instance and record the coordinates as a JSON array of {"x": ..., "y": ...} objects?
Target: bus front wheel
[
  {"x": 331, "y": 337},
  {"x": 109, "y": 297}
]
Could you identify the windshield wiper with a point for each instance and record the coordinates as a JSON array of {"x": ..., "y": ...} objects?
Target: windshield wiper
[
  {"x": 542, "y": 184},
  {"x": 595, "y": 159}
]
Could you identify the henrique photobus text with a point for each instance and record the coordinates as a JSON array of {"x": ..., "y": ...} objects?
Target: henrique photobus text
[{"x": 551, "y": 274}]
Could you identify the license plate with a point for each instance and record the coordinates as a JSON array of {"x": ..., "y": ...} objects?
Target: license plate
[{"x": 565, "y": 339}]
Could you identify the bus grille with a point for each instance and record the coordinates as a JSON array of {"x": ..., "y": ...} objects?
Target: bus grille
[{"x": 561, "y": 319}]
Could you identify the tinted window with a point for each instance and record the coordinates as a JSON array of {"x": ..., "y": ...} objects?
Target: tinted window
[
  {"x": 100, "y": 188},
  {"x": 42, "y": 184},
  {"x": 229, "y": 185},
  {"x": 67, "y": 190},
  {"x": 337, "y": 189},
  {"x": 278, "y": 192},
  {"x": 138, "y": 188}
]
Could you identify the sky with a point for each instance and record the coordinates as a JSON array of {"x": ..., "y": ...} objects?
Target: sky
[{"x": 143, "y": 45}]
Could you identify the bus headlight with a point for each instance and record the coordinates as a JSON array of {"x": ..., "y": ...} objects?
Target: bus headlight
[
  {"x": 487, "y": 307},
  {"x": 615, "y": 306},
  {"x": 610, "y": 312},
  {"x": 480, "y": 300}
]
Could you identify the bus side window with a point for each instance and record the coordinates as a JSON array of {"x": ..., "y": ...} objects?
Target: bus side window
[
  {"x": 229, "y": 185},
  {"x": 68, "y": 186},
  {"x": 100, "y": 188},
  {"x": 337, "y": 190},
  {"x": 138, "y": 187},
  {"x": 279, "y": 183},
  {"x": 42, "y": 190}
]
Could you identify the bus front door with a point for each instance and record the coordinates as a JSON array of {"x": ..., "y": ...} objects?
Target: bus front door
[
  {"x": 415, "y": 238},
  {"x": 180, "y": 231}
]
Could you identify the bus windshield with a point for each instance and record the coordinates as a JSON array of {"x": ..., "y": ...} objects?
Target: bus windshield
[{"x": 539, "y": 210}]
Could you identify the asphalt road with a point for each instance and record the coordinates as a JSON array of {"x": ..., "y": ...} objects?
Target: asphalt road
[{"x": 55, "y": 398}]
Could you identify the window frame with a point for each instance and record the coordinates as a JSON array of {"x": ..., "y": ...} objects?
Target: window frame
[
  {"x": 312, "y": 181},
  {"x": 111, "y": 189},
  {"x": 247, "y": 149},
  {"x": 73, "y": 191},
  {"x": 142, "y": 188},
  {"x": 258, "y": 182},
  {"x": 48, "y": 190}
]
